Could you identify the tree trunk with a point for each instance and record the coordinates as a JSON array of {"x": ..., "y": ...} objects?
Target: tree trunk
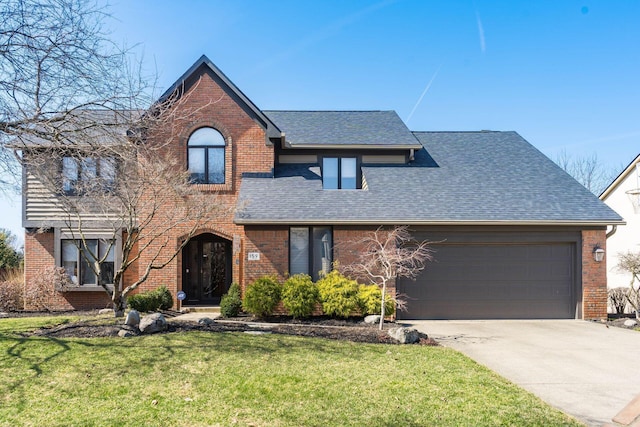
[
  {"x": 119, "y": 304},
  {"x": 382, "y": 301}
]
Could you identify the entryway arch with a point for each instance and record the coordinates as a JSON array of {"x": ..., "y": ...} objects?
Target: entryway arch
[{"x": 206, "y": 269}]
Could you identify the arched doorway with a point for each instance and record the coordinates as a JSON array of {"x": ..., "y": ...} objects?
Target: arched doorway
[{"x": 206, "y": 269}]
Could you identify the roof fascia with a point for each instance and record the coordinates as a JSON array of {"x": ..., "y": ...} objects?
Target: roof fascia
[
  {"x": 607, "y": 191},
  {"x": 355, "y": 146},
  {"x": 272, "y": 130},
  {"x": 242, "y": 221}
]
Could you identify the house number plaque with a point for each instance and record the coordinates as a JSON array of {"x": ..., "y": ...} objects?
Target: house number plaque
[{"x": 254, "y": 256}]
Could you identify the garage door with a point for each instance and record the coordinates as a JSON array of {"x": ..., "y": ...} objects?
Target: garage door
[{"x": 494, "y": 281}]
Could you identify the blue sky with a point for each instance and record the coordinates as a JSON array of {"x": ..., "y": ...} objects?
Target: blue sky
[{"x": 563, "y": 74}]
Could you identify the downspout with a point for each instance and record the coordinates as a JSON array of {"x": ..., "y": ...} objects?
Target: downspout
[{"x": 614, "y": 228}]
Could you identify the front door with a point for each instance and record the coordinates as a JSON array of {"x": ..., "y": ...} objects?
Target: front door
[{"x": 206, "y": 271}]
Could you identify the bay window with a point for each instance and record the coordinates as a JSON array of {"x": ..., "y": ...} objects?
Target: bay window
[{"x": 77, "y": 260}]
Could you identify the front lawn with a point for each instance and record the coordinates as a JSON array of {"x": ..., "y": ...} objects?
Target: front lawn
[{"x": 236, "y": 379}]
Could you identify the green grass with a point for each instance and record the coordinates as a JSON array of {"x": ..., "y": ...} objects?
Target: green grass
[{"x": 233, "y": 379}]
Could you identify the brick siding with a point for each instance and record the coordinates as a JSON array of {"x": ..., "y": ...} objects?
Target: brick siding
[{"x": 594, "y": 276}]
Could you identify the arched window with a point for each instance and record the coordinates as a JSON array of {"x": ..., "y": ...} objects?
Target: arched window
[{"x": 206, "y": 156}]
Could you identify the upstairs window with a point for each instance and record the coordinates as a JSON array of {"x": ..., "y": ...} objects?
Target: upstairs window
[
  {"x": 80, "y": 175},
  {"x": 340, "y": 173},
  {"x": 206, "y": 156},
  {"x": 78, "y": 257}
]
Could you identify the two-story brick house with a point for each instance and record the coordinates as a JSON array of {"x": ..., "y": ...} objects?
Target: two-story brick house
[{"x": 515, "y": 233}]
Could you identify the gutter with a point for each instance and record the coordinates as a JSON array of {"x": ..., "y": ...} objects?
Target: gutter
[
  {"x": 244, "y": 221},
  {"x": 614, "y": 228}
]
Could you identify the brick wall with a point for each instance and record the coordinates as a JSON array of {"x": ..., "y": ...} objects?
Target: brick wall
[
  {"x": 594, "y": 276},
  {"x": 205, "y": 103},
  {"x": 40, "y": 247}
]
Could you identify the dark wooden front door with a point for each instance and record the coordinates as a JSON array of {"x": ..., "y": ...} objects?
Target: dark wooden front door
[{"x": 206, "y": 273}]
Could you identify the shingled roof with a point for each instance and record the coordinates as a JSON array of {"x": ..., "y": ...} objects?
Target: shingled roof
[
  {"x": 323, "y": 129},
  {"x": 456, "y": 178}
]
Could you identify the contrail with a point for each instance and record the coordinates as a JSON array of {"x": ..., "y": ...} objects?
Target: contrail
[
  {"x": 424, "y": 92},
  {"x": 483, "y": 45}
]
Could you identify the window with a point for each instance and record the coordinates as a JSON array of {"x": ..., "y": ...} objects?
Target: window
[
  {"x": 310, "y": 250},
  {"x": 76, "y": 259},
  {"x": 206, "y": 156},
  {"x": 340, "y": 173},
  {"x": 80, "y": 175}
]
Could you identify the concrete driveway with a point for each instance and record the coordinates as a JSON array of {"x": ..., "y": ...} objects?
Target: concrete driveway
[{"x": 582, "y": 368}]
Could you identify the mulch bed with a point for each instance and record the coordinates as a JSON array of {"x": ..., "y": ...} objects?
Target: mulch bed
[{"x": 354, "y": 329}]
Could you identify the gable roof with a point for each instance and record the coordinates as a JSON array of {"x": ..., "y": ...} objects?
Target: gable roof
[
  {"x": 228, "y": 86},
  {"x": 614, "y": 184},
  {"x": 344, "y": 129},
  {"x": 472, "y": 178}
]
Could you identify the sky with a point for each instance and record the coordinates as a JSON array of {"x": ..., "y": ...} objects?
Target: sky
[{"x": 563, "y": 74}]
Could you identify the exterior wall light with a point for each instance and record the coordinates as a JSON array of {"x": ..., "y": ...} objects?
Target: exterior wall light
[{"x": 598, "y": 253}]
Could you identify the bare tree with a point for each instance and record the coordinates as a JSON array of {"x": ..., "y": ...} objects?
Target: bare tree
[
  {"x": 385, "y": 255},
  {"x": 126, "y": 181},
  {"x": 630, "y": 263},
  {"x": 587, "y": 170},
  {"x": 55, "y": 60}
]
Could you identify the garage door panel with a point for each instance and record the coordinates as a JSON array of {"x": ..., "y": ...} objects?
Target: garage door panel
[{"x": 478, "y": 281}]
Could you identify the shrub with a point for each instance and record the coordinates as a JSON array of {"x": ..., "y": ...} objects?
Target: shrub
[
  {"x": 299, "y": 295},
  {"x": 231, "y": 302},
  {"x": 40, "y": 293},
  {"x": 262, "y": 296},
  {"x": 338, "y": 294},
  {"x": 618, "y": 299},
  {"x": 157, "y": 299},
  {"x": 11, "y": 292},
  {"x": 370, "y": 298}
]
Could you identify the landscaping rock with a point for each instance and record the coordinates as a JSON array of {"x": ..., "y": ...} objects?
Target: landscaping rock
[
  {"x": 106, "y": 311},
  {"x": 133, "y": 318},
  {"x": 3, "y": 314},
  {"x": 124, "y": 333},
  {"x": 629, "y": 323},
  {"x": 404, "y": 335},
  {"x": 206, "y": 321},
  {"x": 373, "y": 318},
  {"x": 153, "y": 323}
]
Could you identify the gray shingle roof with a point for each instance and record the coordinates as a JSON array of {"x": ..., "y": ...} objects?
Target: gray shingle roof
[
  {"x": 459, "y": 177},
  {"x": 343, "y": 128}
]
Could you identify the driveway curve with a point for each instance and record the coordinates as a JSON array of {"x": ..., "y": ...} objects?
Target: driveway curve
[{"x": 585, "y": 369}]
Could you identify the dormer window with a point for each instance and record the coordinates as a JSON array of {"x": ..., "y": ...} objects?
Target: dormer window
[
  {"x": 206, "y": 156},
  {"x": 340, "y": 173}
]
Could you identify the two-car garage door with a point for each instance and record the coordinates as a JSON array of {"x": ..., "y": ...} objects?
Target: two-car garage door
[{"x": 508, "y": 276}]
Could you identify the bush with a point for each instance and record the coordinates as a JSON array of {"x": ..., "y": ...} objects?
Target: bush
[
  {"x": 262, "y": 296},
  {"x": 40, "y": 294},
  {"x": 299, "y": 295},
  {"x": 370, "y": 298},
  {"x": 338, "y": 294},
  {"x": 157, "y": 299},
  {"x": 618, "y": 299},
  {"x": 231, "y": 302},
  {"x": 11, "y": 295}
]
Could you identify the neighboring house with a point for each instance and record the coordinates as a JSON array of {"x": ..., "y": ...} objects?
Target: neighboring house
[
  {"x": 623, "y": 196},
  {"x": 515, "y": 234}
]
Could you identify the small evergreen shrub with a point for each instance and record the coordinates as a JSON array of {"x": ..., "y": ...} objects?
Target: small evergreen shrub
[
  {"x": 231, "y": 302},
  {"x": 157, "y": 299},
  {"x": 338, "y": 294},
  {"x": 370, "y": 298},
  {"x": 299, "y": 295},
  {"x": 262, "y": 296}
]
